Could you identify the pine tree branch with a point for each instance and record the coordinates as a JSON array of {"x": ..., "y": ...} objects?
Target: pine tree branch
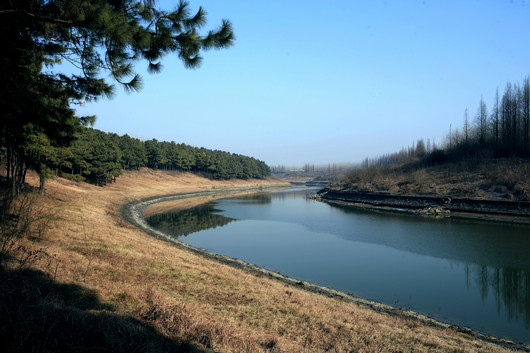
[{"x": 43, "y": 18}]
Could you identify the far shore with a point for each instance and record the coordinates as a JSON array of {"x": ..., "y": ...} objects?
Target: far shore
[{"x": 432, "y": 206}]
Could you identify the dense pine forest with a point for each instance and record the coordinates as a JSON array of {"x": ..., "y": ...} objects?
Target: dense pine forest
[{"x": 99, "y": 157}]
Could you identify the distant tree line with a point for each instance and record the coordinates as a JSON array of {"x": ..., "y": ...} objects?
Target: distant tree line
[
  {"x": 417, "y": 150},
  {"x": 214, "y": 163},
  {"x": 99, "y": 157},
  {"x": 502, "y": 133}
]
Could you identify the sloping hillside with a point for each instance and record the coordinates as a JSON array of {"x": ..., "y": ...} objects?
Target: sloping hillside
[
  {"x": 83, "y": 272},
  {"x": 506, "y": 179}
]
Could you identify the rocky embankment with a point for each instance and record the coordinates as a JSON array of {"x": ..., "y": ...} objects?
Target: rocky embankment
[{"x": 515, "y": 211}]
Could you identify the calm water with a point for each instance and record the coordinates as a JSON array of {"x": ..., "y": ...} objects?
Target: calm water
[{"x": 472, "y": 273}]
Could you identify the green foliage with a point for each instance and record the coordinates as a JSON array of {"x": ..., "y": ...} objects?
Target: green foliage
[
  {"x": 99, "y": 158},
  {"x": 133, "y": 155},
  {"x": 74, "y": 177},
  {"x": 96, "y": 38},
  {"x": 217, "y": 164},
  {"x": 96, "y": 157}
]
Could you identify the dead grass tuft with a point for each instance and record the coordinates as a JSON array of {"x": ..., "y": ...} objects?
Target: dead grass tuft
[{"x": 178, "y": 319}]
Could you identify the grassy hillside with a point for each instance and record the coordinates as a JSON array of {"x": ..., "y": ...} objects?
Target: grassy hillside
[
  {"x": 82, "y": 279},
  {"x": 498, "y": 179}
]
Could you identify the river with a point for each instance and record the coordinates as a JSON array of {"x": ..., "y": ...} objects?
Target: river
[{"x": 468, "y": 272}]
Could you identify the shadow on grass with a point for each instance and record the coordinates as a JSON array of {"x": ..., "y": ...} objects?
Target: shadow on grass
[{"x": 38, "y": 314}]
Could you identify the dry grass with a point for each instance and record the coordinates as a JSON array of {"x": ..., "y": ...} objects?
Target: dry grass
[
  {"x": 200, "y": 303},
  {"x": 498, "y": 179}
]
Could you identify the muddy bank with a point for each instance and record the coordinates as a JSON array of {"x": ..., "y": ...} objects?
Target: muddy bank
[
  {"x": 495, "y": 210},
  {"x": 132, "y": 212}
]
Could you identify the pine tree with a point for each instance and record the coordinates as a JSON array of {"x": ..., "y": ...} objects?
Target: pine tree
[{"x": 96, "y": 37}]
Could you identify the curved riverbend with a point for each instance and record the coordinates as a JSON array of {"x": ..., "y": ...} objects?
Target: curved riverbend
[{"x": 132, "y": 212}]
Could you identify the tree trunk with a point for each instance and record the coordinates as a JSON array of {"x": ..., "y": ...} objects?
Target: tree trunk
[{"x": 42, "y": 181}]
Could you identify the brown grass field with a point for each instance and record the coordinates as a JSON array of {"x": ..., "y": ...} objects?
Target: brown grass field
[
  {"x": 484, "y": 179},
  {"x": 87, "y": 275}
]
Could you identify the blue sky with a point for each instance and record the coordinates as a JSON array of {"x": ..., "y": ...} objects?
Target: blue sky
[{"x": 329, "y": 81}]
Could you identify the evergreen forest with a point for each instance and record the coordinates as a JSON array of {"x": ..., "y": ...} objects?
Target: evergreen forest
[
  {"x": 99, "y": 157},
  {"x": 60, "y": 54}
]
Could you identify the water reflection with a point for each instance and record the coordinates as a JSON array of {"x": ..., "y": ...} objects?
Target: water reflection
[
  {"x": 468, "y": 241},
  {"x": 185, "y": 222},
  {"x": 495, "y": 255},
  {"x": 267, "y": 197},
  {"x": 254, "y": 199},
  {"x": 509, "y": 286},
  {"x": 465, "y": 271}
]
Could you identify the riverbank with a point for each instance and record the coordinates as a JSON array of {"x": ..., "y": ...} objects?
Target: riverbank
[
  {"x": 134, "y": 212},
  {"x": 200, "y": 303},
  {"x": 488, "y": 189},
  {"x": 434, "y": 206}
]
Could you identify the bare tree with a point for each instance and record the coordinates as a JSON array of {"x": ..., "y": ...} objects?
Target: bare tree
[
  {"x": 526, "y": 116},
  {"x": 420, "y": 149},
  {"x": 495, "y": 119},
  {"x": 482, "y": 122},
  {"x": 515, "y": 117},
  {"x": 466, "y": 129},
  {"x": 505, "y": 116}
]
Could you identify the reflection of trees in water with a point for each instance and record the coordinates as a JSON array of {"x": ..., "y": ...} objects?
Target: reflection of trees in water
[
  {"x": 494, "y": 255},
  {"x": 494, "y": 245},
  {"x": 185, "y": 222},
  {"x": 295, "y": 194},
  {"x": 267, "y": 197},
  {"x": 255, "y": 199},
  {"x": 509, "y": 286}
]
